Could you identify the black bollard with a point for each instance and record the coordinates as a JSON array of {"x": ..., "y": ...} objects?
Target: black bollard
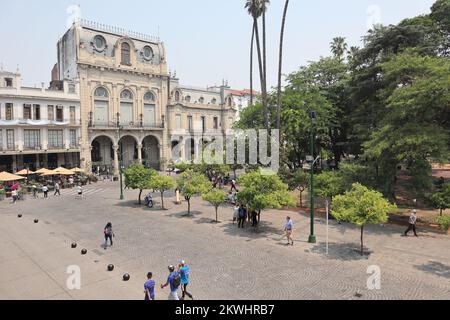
[
  {"x": 126, "y": 277},
  {"x": 83, "y": 252},
  {"x": 19, "y": 216},
  {"x": 110, "y": 267},
  {"x": 36, "y": 221},
  {"x": 74, "y": 245}
]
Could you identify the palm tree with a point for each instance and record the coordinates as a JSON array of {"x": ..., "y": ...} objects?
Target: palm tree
[
  {"x": 252, "y": 45},
  {"x": 255, "y": 9},
  {"x": 280, "y": 66},
  {"x": 339, "y": 47}
]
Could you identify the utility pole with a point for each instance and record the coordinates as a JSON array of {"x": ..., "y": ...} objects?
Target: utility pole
[{"x": 312, "y": 237}]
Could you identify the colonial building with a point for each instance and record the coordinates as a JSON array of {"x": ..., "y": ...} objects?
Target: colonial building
[
  {"x": 135, "y": 111},
  {"x": 38, "y": 127},
  {"x": 111, "y": 100}
]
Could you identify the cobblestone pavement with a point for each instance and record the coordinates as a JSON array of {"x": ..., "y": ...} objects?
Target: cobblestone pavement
[{"x": 226, "y": 262}]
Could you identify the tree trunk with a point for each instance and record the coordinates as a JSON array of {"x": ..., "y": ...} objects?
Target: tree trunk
[
  {"x": 251, "y": 65},
  {"x": 162, "y": 199},
  {"x": 440, "y": 212},
  {"x": 301, "y": 199},
  {"x": 217, "y": 217},
  {"x": 189, "y": 206},
  {"x": 280, "y": 65},
  {"x": 362, "y": 240},
  {"x": 261, "y": 74},
  {"x": 140, "y": 194}
]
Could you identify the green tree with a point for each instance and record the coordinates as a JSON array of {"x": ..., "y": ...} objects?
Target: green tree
[
  {"x": 261, "y": 192},
  {"x": 298, "y": 180},
  {"x": 162, "y": 184},
  {"x": 216, "y": 198},
  {"x": 280, "y": 64},
  {"x": 137, "y": 177},
  {"x": 441, "y": 199},
  {"x": 191, "y": 184},
  {"x": 361, "y": 206}
]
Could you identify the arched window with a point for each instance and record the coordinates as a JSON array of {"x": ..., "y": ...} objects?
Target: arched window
[
  {"x": 126, "y": 107},
  {"x": 101, "y": 106},
  {"x": 177, "y": 96},
  {"x": 214, "y": 101},
  {"x": 201, "y": 100},
  {"x": 149, "y": 96},
  {"x": 125, "y": 53},
  {"x": 229, "y": 102},
  {"x": 101, "y": 92},
  {"x": 188, "y": 99}
]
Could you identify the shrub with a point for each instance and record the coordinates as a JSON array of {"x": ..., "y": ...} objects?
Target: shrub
[{"x": 444, "y": 222}]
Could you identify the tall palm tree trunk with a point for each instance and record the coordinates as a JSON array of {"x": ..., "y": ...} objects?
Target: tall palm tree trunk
[
  {"x": 261, "y": 71},
  {"x": 266, "y": 112},
  {"x": 251, "y": 65},
  {"x": 280, "y": 66}
]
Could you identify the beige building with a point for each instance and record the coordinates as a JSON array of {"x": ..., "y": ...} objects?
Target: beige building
[
  {"x": 134, "y": 110},
  {"x": 38, "y": 127}
]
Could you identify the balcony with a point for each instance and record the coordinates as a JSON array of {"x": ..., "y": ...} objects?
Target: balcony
[
  {"x": 43, "y": 122},
  {"x": 127, "y": 126},
  {"x": 32, "y": 148}
]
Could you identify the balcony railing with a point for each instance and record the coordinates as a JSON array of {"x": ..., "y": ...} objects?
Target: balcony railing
[
  {"x": 112, "y": 125},
  {"x": 43, "y": 122}
]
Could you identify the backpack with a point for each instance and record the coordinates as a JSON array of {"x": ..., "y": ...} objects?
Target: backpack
[
  {"x": 241, "y": 213},
  {"x": 176, "y": 280}
]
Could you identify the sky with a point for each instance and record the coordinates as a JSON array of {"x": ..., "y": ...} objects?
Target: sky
[{"x": 206, "y": 40}]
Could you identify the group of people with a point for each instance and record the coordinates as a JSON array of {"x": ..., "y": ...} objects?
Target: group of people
[
  {"x": 57, "y": 190},
  {"x": 241, "y": 214}
]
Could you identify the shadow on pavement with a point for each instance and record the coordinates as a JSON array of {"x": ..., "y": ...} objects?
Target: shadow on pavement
[
  {"x": 342, "y": 251},
  {"x": 262, "y": 231},
  {"x": 436, "y": 268}
]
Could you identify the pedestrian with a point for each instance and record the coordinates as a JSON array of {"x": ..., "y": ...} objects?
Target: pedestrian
[
  {"x": 254, "y": 219},
  {"x": 35, "y": 192},
  {"x": 14, "y": 196},
  {"x": 242, "y": 216},
  {"x": 235, "y": 213},
  {"x": 174, "y": 281},
  {"x": 412, "y": 223},
  {"x": 184, "y": 279},
  {"x": 109, "y": 234},
  {"x": 45, "y": 190},
  {"x": 57, "y": 189},
  {"x": 288, "y": 228},
  {"x": 233, "y": 186},
  {"x": 149, "y": 287},
  {"x": 80, "y": 191}
]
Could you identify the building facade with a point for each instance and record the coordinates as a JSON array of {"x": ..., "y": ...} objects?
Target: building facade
[
  {"x": 134, "y": 108},
  {"x": 38, "y": 127},
  {"x": 111, "y": 102}
]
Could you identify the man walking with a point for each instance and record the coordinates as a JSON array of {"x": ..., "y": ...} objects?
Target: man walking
[
  {"x": 109, "y": 234},
  {"x": 242, "y": 216},
  {"x": 412, "y": 223},
  {"x": 35, "y": 192},
  {"x": 254, "y": 219},
  {"x": 57, "y": 189},
  {"x": 45, "y": 190},
  {"x": 80, "y": 191},
  {"x": 184, "y": 277},
  {"x": 288, "y": 228},
  {"x": 149, "y": 287},
  {"x": 174, "y": 281}
]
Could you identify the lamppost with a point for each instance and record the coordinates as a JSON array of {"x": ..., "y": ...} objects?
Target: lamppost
[
  {"x": 120, "y": 155},
  {"x": 312, "y": 237}
]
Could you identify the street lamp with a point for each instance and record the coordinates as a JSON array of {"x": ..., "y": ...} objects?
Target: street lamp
[
  {"x": 120, "y": 151},
  {"x": 312, "y": 237}
]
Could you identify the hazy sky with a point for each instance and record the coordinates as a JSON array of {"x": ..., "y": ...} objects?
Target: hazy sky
[{"x": 206, "y": 40}]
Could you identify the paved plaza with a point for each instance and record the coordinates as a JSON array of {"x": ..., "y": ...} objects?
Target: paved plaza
[{"x": 226, "y": 262}]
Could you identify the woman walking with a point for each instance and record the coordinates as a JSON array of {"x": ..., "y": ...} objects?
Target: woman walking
[{"x": 109, "y": 234}]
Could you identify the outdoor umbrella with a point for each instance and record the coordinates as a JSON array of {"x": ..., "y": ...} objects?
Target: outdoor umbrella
[
  {"x": 42, "y": 171},
  {"x": 63, "y": 171},
  {"x": 6, "y": 177},
  {"x": 25, "y": 172},
  {"x": 77, "y": 170}
]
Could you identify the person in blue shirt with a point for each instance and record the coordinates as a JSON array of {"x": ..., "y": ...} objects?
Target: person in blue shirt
[
  {"x": 184, "y": 275},
  {"x": 174, "y": 281},
  {"x": 149, "y": 288}
]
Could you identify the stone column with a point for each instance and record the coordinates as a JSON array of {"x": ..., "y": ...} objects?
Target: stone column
[
  {"x": 139, "y": 147},
  {"x": 116, "y": 161},
  {"x": 38, "y": 162}
]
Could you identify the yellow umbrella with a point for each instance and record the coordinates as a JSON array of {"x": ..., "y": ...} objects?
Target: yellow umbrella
[
  {"x": 42, "y": 171},
  {"x": 24, "y": 172},
  {"x": 77, "y": 170},
  {"x": 63, "y": 171},
  {"x": 6, "y": 176}
]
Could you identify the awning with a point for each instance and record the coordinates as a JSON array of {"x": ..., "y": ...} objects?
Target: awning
[
  {"x": 24, "y": 172},
  {"x": 6, "y": 176}
]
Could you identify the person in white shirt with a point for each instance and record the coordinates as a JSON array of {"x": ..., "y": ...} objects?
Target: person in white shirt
[
  {"x": 412, "y": 223},
  {"x": 288, "y": 228},
  {"x": 80, "y": 191}
]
